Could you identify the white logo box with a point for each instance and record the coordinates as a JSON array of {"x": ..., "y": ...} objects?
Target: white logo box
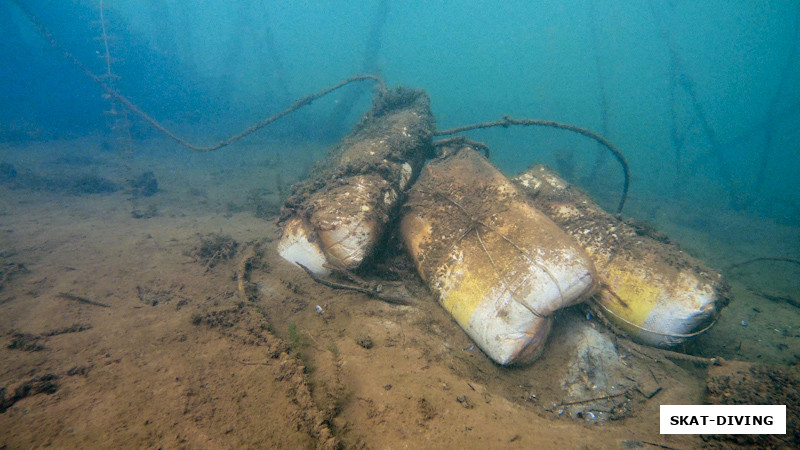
[{"x": 723, "y": 419}]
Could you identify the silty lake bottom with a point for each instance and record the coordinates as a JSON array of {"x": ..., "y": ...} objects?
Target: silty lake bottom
[
  {"x": 142, "y": 299},
  {"x": 164, "y": 351}
]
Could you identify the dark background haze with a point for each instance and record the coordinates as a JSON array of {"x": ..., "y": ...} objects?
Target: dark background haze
[{"x": 701, "y": 97}]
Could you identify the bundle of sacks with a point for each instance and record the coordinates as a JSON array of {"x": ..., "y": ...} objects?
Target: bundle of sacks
[{"x": 501, "y": 255}]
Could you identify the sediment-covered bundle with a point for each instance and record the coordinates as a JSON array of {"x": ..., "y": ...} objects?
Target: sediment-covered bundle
[
  {"x": 650, "y": 289},
  {"x": 499, "y": 266},
  {"x": 338, "y": 215}
]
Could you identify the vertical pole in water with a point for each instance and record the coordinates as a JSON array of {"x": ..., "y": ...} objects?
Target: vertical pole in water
[
  {"x": 772, "y": 112},
  {"x": 675, "y": 137},
  {"x": 120, "y": 127},
  {"x": 369, "y": 65},
  {"x": 601, "y": 86},
  {"x": 681, "y": 78}
]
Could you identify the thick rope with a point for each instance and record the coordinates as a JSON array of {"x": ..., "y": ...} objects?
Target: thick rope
[
  {"x": 507, "y": 120},
  {"x": 305, "y": 101},
  {"x": 504, "y": 122},
  {"x": 765, "y": 258}
]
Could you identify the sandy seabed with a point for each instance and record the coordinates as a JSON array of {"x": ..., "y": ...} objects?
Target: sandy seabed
[{"x": 118, "y": 331}]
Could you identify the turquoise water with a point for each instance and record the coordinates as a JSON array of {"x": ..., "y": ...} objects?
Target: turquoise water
[{"x": 701, "y": 97}]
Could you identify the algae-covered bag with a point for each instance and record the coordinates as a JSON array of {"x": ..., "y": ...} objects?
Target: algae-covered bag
[
  {"x": 339, "y": 213},
  {"x": 499, "y": 266},
  {"x": 650, "y": 289}
]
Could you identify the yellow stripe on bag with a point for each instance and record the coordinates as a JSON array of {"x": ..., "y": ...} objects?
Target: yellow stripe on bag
[
  {"x": 469, "y": 290},
  {"x": 630, "y": 296}
]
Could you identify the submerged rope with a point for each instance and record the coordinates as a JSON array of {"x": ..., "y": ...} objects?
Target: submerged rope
[
  {"x": 307, "y": 100},
  {"x": 508, "y": 120},
  {"x": 116, "y": 95},
  {"x": 765, "y": 258}
]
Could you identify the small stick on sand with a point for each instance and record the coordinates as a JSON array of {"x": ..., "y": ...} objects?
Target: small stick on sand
[
  {"x": 372, "y": 292},
  {"x": 241, "y": 271},
  {"x": 68, "y": 296}
]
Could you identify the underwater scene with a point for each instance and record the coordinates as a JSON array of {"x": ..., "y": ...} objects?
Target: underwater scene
[{"x": 386, "y": 224}]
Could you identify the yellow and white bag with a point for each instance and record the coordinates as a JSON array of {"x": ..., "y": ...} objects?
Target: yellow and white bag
[
  {"x": 499, "y": 266},
  {"x": 339, "y": 213},
  {"x": 649, "y": 288}
]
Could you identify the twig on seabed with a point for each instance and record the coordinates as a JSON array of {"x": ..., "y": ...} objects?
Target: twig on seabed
[
  {"x": 85, "y": 300},
  {"x": 591, "y": 400},
  {"x": 241, "y": 271},
  {"x": 374, "y": 293}
]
